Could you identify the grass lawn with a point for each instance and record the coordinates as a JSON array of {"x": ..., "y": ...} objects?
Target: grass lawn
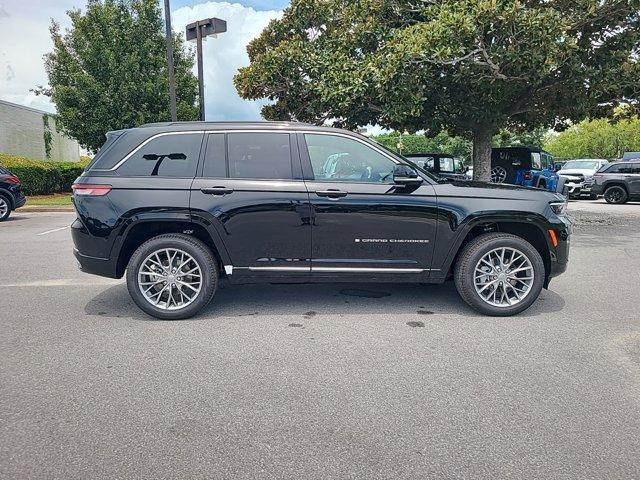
[{"x": 57, "y": 199}]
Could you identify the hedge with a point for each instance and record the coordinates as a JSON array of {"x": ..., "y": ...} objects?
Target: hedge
[{"x": 43, "y": 178}]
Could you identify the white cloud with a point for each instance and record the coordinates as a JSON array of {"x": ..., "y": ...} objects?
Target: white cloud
[
  {"x": 223, "y": 56},
  {"x": 25, "y": 38}
]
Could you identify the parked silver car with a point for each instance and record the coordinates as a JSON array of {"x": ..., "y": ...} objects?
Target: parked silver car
[{"x": 578, "y": 175}]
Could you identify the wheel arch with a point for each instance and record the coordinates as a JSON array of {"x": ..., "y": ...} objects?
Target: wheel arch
[
  {"x": 529, "y": 228},
  {"x": 142, "y": 230},
  {"x": 7, "y": 194},
  {"x": 614, "y": 183}
]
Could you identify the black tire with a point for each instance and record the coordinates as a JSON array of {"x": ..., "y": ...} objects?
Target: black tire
[
  {"x": 193, "y": 247},
  {"x": 6, "y": 211},
  {"x": 616, "y": 194},
  {"x": 474, "y": 251}
]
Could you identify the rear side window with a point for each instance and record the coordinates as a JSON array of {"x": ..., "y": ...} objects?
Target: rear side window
[
  {"x": 259, "y": 155},
  {"x": 624, "y": 168},
  {"x": 173, "y": 155}
]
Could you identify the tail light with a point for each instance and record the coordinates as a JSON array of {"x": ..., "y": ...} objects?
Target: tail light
[
  {"x": 12, "y": 179},
  {"x": 87, "y": 190},
  {"x": 528, "y": 176}
]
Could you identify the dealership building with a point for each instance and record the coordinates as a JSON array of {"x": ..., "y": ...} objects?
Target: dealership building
[{"x": 32, "y": 133}]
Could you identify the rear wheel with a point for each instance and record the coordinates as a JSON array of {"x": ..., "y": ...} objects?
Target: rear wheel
[
  {"x": 499, "y": 274},
  {"x": 615, "y": 194},
  {"x": 172, "y": 276},
  {"x": 5, "y": 208}
]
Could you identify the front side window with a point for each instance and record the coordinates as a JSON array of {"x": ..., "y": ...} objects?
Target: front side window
[
  {"x": 446, "y": 165},
  {"x": 341, "y": 159},
  {"x": 259, "y": 155},
  {"x": 172, "y": 155}
]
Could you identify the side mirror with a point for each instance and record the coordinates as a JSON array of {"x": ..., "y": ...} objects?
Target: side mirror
[{"x": 405, "y": 175}]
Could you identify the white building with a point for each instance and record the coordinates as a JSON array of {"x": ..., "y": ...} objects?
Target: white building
[{"x": 27, "y": 132}]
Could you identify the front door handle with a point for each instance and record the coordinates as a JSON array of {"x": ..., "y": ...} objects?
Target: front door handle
[
  {"x": 217, "y": 190},
  {"x": 331, "y": 193}
]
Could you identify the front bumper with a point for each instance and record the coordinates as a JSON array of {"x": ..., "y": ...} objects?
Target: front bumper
[{"x": 559, "y": 255}]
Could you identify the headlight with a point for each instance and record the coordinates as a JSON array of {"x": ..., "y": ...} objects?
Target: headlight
[{"x": 559, "y": 208}]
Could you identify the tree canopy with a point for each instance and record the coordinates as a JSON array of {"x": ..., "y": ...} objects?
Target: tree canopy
[
  {"x": 109, "y": 70},
  {"x": 470, "y": 67},
  {"x": 599, "y": 138}
]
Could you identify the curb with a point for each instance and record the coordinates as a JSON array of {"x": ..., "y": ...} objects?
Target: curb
[{"x": 45, "y": 208}]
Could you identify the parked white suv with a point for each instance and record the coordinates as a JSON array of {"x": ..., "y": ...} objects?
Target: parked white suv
[{"x": 577, "y": 172}]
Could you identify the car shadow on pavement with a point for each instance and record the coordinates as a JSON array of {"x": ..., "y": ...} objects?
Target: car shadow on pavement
[{"x": 235, "y": 301}]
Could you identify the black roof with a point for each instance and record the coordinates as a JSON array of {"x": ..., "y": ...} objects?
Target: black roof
[{"x": 231, "y": 125}]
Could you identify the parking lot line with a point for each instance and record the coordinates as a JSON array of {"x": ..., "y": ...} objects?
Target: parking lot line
[
  {"x": 54, "y": 230},
  {"x": 63, "y": 282}
]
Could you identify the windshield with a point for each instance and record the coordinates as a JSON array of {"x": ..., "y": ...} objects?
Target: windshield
[{"x": 581, "y": 164}]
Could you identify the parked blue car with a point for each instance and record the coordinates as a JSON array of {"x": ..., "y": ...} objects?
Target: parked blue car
[{"x": 526, "y": 166}]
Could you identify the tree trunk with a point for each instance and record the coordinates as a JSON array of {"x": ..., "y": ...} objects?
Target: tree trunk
[{"x": 482, "y": 154}]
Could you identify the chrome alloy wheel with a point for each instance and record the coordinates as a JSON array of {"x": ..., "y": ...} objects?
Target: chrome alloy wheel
[
  {"x": 504, "y": 277},
  {"x": 170, "y": 279},
  {"x": 498, "y": 174},
  {"x": 4, "y": 207}
]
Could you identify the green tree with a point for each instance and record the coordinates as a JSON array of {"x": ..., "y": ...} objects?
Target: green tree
[
  {"x": 470, "y": 67},
  {"x": 415, "y": 143},
  {"x": 599, "y": 138},
  {"x": 109, "y": 70}
]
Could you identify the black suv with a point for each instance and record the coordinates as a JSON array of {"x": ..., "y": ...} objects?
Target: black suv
[
  {"x": 11, "y": 195},
  {"x": 618, "y": 182},
  {"x": 178, "y": 205}
]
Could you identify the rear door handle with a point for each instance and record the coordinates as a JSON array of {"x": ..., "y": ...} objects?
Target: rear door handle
[
  {"x": 217, "y": 190},
  {"x": 331, "y": 193}
]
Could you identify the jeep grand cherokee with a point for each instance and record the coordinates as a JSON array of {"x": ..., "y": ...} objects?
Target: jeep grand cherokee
[{"x": 177, "y": 206}]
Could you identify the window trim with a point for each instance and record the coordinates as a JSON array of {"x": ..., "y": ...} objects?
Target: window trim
[{"x": 301, "y": 151}]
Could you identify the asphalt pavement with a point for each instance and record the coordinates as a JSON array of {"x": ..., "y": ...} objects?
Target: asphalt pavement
[{"x": 331, "y": 381}]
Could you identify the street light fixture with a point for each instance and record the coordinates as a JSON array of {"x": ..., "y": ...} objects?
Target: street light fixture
[{"x": 197, "y": 31}]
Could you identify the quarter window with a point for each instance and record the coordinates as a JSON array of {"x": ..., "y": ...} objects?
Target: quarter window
[
  {"x": 259, "y": 155},
  {"x": 173, "y": 155},
  {"x": 340, "y": 159}
]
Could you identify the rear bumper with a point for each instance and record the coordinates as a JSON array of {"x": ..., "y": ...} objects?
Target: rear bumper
[
  {"x": 95, "y": 266},
  {"x": 85, "y": 245},
  {"x": 20, "y": 201}
]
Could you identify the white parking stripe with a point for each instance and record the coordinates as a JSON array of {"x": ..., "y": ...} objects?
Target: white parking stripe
[
  {"x": 64, "y": 282},
  {"x": 54, "y": 230}
]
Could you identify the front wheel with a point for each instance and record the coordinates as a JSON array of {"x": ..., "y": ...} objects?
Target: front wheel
[
  {"x": 499, "y": 274},
  {"x": 172, "y": 276},
  {"x": 615, "y": 194}
]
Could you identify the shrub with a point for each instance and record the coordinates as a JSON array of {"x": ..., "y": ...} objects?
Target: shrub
[{"x": 42, "y": 178}]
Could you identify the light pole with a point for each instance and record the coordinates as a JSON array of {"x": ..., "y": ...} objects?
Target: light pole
[
  {"x": 172, "y": 78},
  {"x": 197, "y": 31}
]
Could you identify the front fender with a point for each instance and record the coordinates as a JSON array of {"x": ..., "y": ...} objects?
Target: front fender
[{"x": 451, "y": 235}]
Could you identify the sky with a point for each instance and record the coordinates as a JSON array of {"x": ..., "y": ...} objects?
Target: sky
[{"x": 24, "y": 39}]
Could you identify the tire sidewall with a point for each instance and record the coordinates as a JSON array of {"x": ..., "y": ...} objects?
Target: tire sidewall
[
  {"x": 465, "y": 271},
  {"x": 201, "y": 254},
  {"x": 8, "y": 202},
  {"x": 615, "y": 187}
]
